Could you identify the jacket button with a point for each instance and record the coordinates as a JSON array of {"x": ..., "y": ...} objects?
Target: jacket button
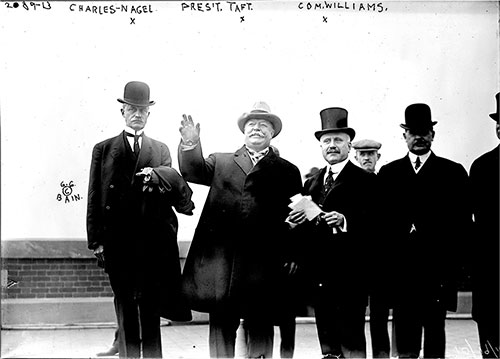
[
  {"x": 108, "y": 207},
  {"x": 111, "y": 186}
]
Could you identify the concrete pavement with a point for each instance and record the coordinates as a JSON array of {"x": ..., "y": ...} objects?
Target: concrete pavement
[{"x": 191, "y": 341}]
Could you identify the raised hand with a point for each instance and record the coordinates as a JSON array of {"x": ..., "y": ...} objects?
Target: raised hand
[{"x": 189, "y": 132}]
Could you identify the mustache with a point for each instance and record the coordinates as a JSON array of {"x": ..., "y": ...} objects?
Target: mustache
[{"x": 258, "y": 133}]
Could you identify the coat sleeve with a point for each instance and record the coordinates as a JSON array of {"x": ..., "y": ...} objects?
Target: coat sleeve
[
  {"x": 94, "y": 213},
  {"x": 194, "y": 168},
  {"x": 175, "y": 190}
]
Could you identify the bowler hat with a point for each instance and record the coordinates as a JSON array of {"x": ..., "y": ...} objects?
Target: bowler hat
[
  {"x": 136, "y": 93},
  {"x": 495, "y": 115},
  {"x": 366, "y": 145},
  {"x": 334, "y": 119},
  {"x": 260, "y": 111},
  {"x": 418, "y": 118}
]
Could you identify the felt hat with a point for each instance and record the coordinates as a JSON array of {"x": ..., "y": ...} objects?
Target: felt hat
[
  {"x": 366, "y": 145},
  {"x": 418, "y": 118},
  {"x": 260, "y": 111},
  {"x": 136, "y": 93},
  {"x": 334, "y": 119}
]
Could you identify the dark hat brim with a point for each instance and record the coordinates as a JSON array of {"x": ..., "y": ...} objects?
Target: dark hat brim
[
  {"x": 273, "y": 119},
  {"x": 151, "y": 103},
  {"x": 494, "y": 116},
  {"x": 350, "y": 132},
  {"x": 406, "y": 127}
]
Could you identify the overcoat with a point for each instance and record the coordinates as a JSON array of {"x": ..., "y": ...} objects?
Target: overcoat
[
  {"x": 339, "y": 260},
  {"x": 241, "y": 241},
  {"x": 137, "y": 228},
  {"x": 484, "y": 186},
  {"x": 434, "y": 202}
]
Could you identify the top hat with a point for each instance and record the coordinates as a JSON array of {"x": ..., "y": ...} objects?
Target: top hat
[
  {"x": 495, "y": 115},
  {"x": 261, "y": 111},
  {"x": 366, "y": 145},
  {"x": 334, "y": 119},
  {"x": 418, "y": 118},
  {"x": 136, "y": 93}
]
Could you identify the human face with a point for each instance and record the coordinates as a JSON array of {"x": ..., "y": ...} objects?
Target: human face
[
  {"x": 367, "y": 159},
  {"x": 335, "y": 146},
  {"x": 419, "y": 144},
  {"x": 258, "y": 134},
  {"x": 135, "y": 117},
  {"x": 498, "y": 130}
]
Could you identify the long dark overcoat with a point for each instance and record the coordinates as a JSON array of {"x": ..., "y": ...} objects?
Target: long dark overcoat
[
  {"x": 339, "y": 261},
  {"x": 484, "y": 185},
  {"x": 241, "y": 241},
  {"x": 426, "y": 265},
  {"x": 137, "y": 228}
]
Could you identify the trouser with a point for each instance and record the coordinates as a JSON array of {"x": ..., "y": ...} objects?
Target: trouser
[
  {"x": 340, "y": 325},
  {"x": 138, "y": 316},
  {"x": 379, "y": 317},
  {"x": 287, "y": 327},
  {"x": 259, "y": 334},
  {"x": 411, "y": 320}
]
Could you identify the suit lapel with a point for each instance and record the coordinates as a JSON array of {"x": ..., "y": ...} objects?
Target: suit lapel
[
  {"x": 341, "y": 178},
  {"x": 316, "y": 184},
  {"x": 428, "y": 165},
  {"x": 145, "y": 154},
  {"x": 243, "y": 160}
]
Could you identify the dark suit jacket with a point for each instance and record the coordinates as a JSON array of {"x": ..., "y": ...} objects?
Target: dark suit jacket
[
  {"x": 339, "y": 261},
  {"x": 137, "y": 228},
  {"x": 484, "y": 186},
  {"x": 435, "y": 201},
  {"x": 241, "y": 241}
]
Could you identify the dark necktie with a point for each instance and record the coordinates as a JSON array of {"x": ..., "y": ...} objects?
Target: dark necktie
[
  {"x": 329, "y": 181},
  {"x": 136, "y": 145},
  {"x": 136, "y": 142},
  {"x": 418, "y": 163}
]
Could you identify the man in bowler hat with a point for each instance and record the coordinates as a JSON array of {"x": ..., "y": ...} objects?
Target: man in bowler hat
[
  {"x": 132, "y": 228},
  {"x": 426, "y": 216},
  {"x": 484, "y": 186},
  {"x": 242, "y": 245},
  {"x": 338, "y": 239}
]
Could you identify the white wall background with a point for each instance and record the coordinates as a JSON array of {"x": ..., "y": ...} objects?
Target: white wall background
[{"x": 62, "y": 71}]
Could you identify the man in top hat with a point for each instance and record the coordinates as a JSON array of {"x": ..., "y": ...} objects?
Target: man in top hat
[
  {"x": 132, "y": 228},
  {"x": 338, "y": 240},
  {"x": 367, "y": 154},
  {"x": 242, "y": 245},
  {"x": 484, "y": 186},
  {"x": 425, "y": 217}
]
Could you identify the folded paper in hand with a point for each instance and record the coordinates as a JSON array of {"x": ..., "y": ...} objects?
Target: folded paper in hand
[{"x": 306, "y": 204}]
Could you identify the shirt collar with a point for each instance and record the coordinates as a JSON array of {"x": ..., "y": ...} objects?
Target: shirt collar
[
  {"x": 423, "y": 158},
  {"x": 132, "y": 132},
  {"x": 336, "y": 168},
  {"x": 253, "y": 152}
]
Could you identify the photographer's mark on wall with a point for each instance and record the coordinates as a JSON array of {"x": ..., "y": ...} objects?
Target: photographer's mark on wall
[{"x": 66, "y": 194}]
